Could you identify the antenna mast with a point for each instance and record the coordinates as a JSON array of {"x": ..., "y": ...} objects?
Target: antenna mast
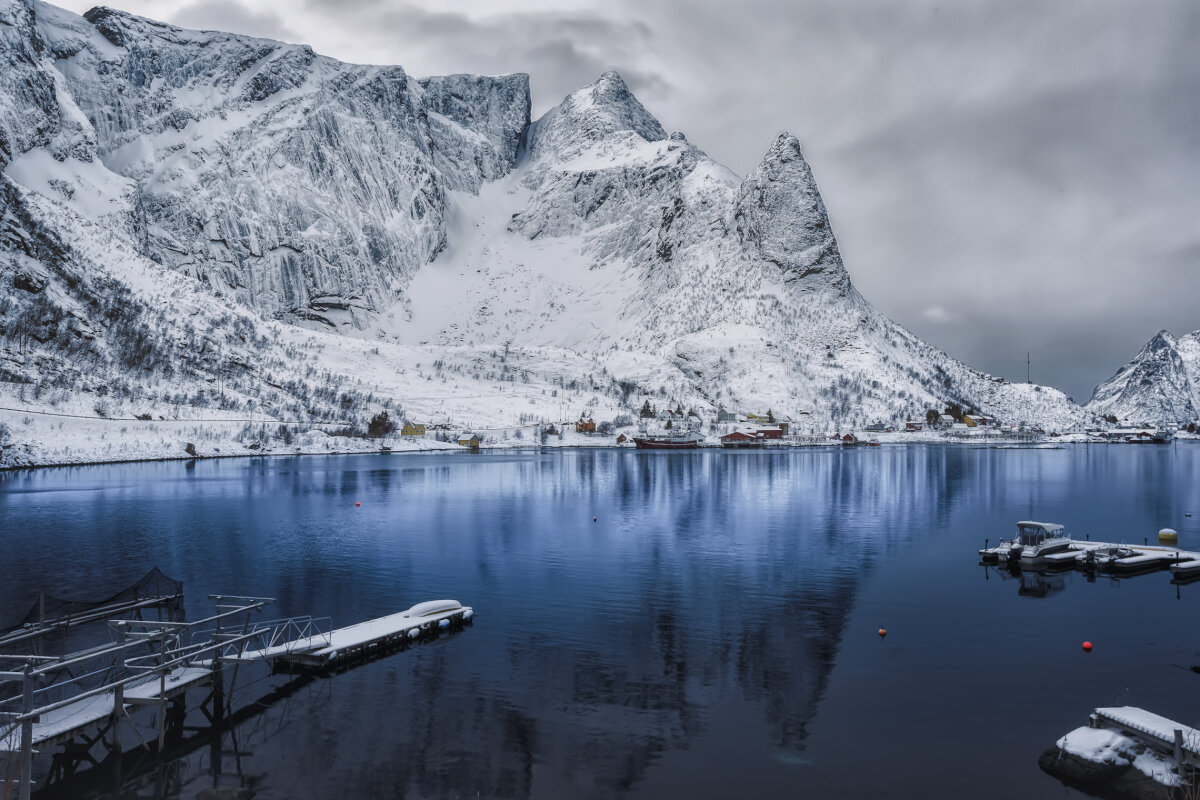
[{"x": 1027, "y": 378}]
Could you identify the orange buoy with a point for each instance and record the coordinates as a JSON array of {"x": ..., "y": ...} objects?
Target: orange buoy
[
  {"x": 356, "y": 505},
  {"x": 882, "y": 631},
  {"x": 1087, "y": 647}
]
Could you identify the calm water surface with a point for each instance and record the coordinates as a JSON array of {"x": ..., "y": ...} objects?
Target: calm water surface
[{"x": 651, "y": 624}]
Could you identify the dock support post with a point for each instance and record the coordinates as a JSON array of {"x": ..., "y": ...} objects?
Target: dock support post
[
  {"x": 1179, "y": 747},
  {"x": 118, "y": 699},
  {"x": 27, "y": 733}
]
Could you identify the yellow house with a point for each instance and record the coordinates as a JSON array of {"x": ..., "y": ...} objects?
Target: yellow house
[
  {"x": 469, "y": 440},
  {"x": 412, "y": 429}
]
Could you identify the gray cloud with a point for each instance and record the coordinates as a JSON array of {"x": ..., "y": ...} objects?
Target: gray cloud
[
  {"x": 561, "y": 50},
  {"x": 1028, "y": 168},
  {"x": 229, "y": 15}
]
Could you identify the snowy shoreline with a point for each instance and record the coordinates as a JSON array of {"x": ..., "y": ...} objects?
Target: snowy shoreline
[{"x": 215, "y": 439}]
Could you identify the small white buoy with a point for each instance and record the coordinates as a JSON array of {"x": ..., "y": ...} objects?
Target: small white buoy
[
  {"x": 414, "y": 633},
  {"x": 468, "y": 614}
]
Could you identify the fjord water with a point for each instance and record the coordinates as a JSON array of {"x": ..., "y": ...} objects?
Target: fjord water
[{"x": 653, "y": 624}]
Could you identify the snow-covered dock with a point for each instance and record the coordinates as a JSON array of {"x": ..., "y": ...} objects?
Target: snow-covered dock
[
  {"x": 1124, "y": 559},
  {"x": 1128, "y": 749},
  {"x": 364, "y": 639},
  {"x": 59, "y": 723},
  {"x": 150, "y": 663}
]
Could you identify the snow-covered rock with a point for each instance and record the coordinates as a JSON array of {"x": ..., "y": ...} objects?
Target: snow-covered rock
[{"x": 1161, "y": 385}]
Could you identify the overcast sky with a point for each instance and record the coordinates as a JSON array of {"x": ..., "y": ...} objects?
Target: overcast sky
[{"x": 1003, "y": 177}]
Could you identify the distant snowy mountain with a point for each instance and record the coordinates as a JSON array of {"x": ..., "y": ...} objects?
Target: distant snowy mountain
[
  {"x": 203, "y": 220},
  {"x": 1160, "y": 385}
]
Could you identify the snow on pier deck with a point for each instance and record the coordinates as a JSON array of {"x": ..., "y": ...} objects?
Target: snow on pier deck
[
  {"x": 1152, "y": 728},
  {"x": 360, "y": 640},
  {"x": 68, "y": 721}
]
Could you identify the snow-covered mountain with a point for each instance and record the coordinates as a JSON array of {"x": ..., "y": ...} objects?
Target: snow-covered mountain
[
  {"x": 184, "y": 208},
  {"x": 1160, "y": 385}
]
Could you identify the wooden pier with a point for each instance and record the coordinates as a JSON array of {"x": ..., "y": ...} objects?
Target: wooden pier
[
  {"x": 1167, "y": 735},
  {"x": 148, "y": 663}
]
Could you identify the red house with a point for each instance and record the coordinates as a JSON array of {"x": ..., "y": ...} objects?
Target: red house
[
  {"x": 913, "y": 426},
  {"x": 770, "y": 433},
  {"x": 740, "y": 439}
]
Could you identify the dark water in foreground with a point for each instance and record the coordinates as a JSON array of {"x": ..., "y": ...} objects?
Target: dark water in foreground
[{"x": 711, "y": 634}]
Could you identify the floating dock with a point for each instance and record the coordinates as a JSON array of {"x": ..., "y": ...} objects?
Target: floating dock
[
  {"x": 363, "y": 640},
  {"x": 1123, "y": 559}
]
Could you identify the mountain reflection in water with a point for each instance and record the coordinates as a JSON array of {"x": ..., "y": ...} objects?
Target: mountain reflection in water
[{"x": 711, "y": 632}]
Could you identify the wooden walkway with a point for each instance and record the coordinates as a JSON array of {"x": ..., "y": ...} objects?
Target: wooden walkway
[
  {"x": 172, "y": 668},
  {"x": 1155, "y": 730},
  {"x": 61, "y": 723}
]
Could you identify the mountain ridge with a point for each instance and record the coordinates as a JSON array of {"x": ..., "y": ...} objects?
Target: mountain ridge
[
  {"x": 1159, "y": 385},
  {"x": 309, "y": 213}
]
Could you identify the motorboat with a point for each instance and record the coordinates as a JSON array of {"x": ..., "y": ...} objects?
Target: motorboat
[{"x": 1039, "y": 539}]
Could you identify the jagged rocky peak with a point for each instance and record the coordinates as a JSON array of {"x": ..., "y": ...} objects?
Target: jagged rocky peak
[
  {"x": 591, "y": 114},
  {"x": 781, "y": 217},
  {"x": 1160, "y": 385}
]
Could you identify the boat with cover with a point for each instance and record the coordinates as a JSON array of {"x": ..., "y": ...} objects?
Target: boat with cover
[
  {"x": 1039, "y": 539},
  {"x": 1033, "y": 542}
]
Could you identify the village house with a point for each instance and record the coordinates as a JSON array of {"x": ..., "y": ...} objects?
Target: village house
[
  {"x": 914, "y": 426},
  {"x": 771, "y": 432},
  {"x": 587, "y": 426},
  {"x": 741, "y": 439},
  {"x": 412, "y": 429},
  {"x": 468, "y": 439}
]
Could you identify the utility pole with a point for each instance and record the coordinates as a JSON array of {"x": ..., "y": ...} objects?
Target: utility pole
[{"x": 1027, "y": 372}]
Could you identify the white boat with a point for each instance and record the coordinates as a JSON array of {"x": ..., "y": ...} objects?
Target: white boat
[
  {"x": 1105, "y": 555},
  {"x": 1039, "y": 539}
]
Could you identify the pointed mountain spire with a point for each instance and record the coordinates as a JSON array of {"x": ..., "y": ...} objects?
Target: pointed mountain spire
[{"x": 780, "y": 216}]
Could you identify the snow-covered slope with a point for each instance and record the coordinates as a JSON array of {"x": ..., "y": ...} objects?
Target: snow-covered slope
[
  {"x": 614, "y": 238},
  {"x": 172, "y": 198},
  {"x": 1160, "y": 385}
]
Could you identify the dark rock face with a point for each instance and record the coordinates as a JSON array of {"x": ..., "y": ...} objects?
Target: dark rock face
[
  {"x": 1069, "y": 767},
  {"x": 781, "y": 215},
  {"x": 1117, "y": 779}
]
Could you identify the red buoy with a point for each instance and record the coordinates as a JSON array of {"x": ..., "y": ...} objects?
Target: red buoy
[
  {"x": 356, "y": 505},
  {"x": 1087, "y": 646},
  {"x": 883, "y": 631}
]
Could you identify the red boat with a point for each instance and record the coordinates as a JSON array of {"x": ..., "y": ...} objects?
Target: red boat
[{"x": 687, "y": 441}]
